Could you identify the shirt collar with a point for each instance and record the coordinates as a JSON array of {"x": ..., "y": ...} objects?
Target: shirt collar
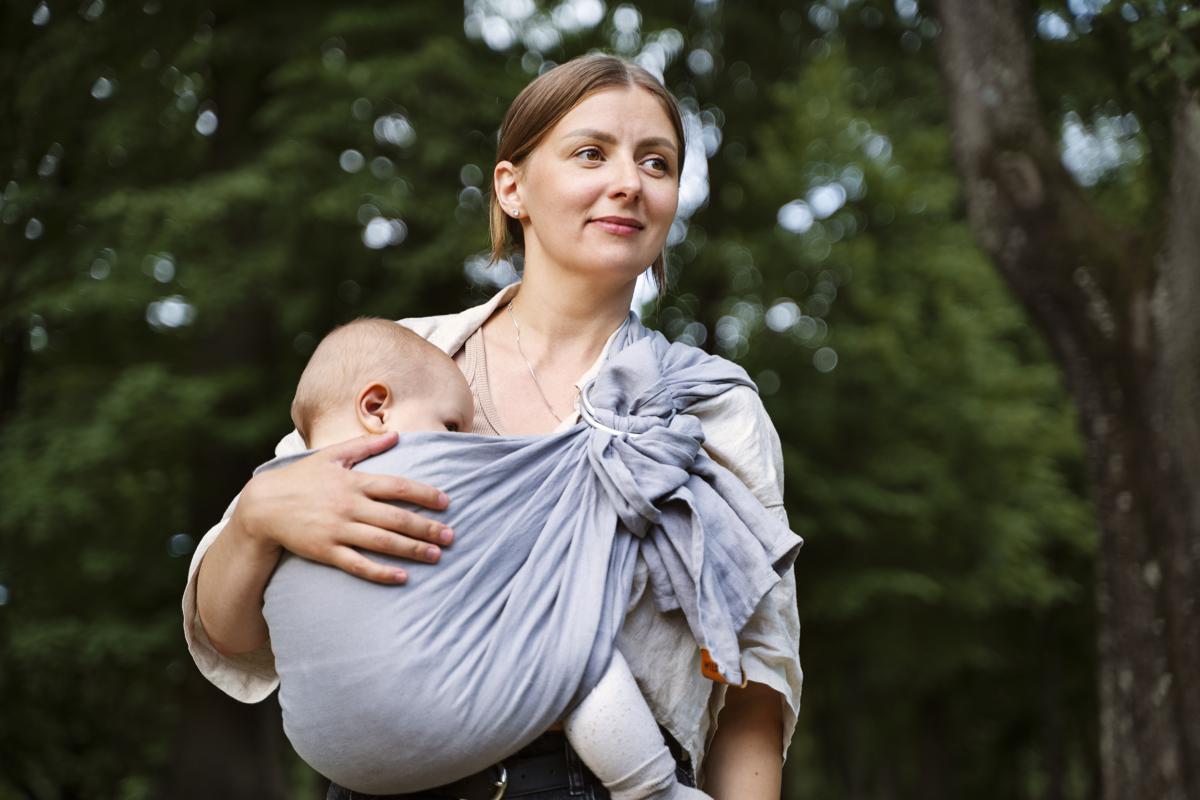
[{"x": 449, "y": 332}]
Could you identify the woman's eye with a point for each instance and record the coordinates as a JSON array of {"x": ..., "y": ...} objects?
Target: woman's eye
[
  {"x": 659, "y": 164},
  {"x": 587, "y": 153}
]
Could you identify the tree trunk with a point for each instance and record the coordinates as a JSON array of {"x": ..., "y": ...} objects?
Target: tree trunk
[{"x": 1122, "y": 326}]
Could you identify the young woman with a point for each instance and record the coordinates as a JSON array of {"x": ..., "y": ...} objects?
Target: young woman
[{"x": 586, "y": 185}]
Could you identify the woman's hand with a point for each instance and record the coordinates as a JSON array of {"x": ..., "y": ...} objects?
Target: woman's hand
[{"x": 319, "y": 509}]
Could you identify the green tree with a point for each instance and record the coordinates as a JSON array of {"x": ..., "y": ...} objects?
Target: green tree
[{"x": 1113, "y": 294}]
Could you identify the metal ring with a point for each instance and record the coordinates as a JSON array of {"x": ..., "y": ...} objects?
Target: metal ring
[{"x": 588, "y": 412}]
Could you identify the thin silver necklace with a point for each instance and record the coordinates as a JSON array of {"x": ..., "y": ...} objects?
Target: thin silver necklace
[{"x": 532, "y": 374}]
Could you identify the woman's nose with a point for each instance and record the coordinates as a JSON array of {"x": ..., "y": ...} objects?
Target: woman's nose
[{"x": 627, "y": 180}]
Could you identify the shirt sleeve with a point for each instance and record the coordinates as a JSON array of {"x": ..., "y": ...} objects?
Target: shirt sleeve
[
  {"x": 740, "y": 436},
  {"x": 248, "y": 677}
]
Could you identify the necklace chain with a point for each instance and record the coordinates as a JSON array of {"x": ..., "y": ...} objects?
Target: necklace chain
[{"x": 532, "y": 374}]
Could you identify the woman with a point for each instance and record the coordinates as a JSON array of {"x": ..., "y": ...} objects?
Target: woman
[{"x": 586, "y": 187}]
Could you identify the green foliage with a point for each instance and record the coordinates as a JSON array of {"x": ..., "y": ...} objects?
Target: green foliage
[{"x": 1167, "y": 37}]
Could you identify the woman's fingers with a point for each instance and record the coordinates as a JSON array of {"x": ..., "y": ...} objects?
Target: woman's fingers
[
  {"x": 385, "y": 487},
  {"x": 381, "y": 540},
  {"x": 350, "y": 560},
  {"x": 405, "y": 525},
  {"x": 353, "y": 451},
  {"x": 390, "y": 487},
  {"x": 368, "y": 537}
]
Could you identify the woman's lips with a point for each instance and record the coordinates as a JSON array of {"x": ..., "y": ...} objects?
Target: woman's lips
[{"x": 619, "y": 228}]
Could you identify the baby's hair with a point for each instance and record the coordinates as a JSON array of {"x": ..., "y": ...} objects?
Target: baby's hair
[{"x": 369, "y": 348}]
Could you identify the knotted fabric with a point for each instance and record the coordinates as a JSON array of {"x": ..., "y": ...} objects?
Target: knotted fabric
[{"x": 389, "y": 689}]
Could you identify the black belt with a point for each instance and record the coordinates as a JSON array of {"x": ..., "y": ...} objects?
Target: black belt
[
  {"x": 514, "y": 777},
  {"x": 520, "y": 775},
  {"x": 546, "y": 765}
]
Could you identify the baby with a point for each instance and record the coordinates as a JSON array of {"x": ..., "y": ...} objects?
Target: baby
[{"x": 375, "y": 376}]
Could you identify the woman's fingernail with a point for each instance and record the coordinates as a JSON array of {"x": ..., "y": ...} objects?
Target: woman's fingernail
[
  {"x": 447, "y": 536},
  {"x": 432, "y": 553},
  {"x": 443, "y": 498},
  {"x": 400, "y": 576}
]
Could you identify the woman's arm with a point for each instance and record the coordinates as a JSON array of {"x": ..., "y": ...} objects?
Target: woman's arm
[
  {"x": 319, "y": 509},
  {"x": 744, "y": 760},
  {"x": 745, "y": 757},
  {"x": 229, "y": 590}
]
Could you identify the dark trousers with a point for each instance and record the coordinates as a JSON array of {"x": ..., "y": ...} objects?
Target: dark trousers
[{"x": 580, "y": 783}]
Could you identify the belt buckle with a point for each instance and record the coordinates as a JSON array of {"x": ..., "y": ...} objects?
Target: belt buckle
[{"x": 502, "y": 784}]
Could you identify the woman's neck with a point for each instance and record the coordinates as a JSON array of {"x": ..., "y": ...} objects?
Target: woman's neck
[{"x": 568, "y": 318}]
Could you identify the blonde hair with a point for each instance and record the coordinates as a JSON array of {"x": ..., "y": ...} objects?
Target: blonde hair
[
  {"x": 545, "y": 101},
  {"x": 369, "y": 348}
]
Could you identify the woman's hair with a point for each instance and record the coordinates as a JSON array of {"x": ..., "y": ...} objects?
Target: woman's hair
[{"x": 545, "y": 101}]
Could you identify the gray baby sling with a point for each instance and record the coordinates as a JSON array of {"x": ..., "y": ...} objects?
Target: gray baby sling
[{"x": 389, "y": 689}]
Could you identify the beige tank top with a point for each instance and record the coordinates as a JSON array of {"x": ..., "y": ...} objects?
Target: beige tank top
[{"x": 472, "y": 360}]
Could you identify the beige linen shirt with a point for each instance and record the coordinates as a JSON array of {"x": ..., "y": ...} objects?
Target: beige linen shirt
[{"x": 659, "y": 647}]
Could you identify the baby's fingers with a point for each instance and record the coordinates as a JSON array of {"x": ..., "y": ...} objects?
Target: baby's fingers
[{"x": 355, "y": 563}]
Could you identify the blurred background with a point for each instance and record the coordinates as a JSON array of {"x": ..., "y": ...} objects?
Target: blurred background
[{"x": 193, "y": 193}]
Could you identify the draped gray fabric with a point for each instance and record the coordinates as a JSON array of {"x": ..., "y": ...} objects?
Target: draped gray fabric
[{"x": 389, "y": 689}]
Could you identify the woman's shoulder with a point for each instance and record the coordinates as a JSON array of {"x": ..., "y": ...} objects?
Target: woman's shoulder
[
  {"x": 738, "y": 432},
  {"x": 448, "y": 332},
  {"x": 429, "y": 327},
  {"x": 740, "y": 436}
]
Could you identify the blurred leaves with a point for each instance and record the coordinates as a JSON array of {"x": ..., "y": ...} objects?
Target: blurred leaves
[{"x": 1167, "y": 37}]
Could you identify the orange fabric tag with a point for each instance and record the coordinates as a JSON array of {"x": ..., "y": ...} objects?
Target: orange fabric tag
[{"x": 708, "y": 668}]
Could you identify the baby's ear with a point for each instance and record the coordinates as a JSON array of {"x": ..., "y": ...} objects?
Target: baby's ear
[{"x": 372, "y": 405}]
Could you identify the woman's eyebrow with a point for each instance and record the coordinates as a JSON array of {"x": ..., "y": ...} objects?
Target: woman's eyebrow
[{"x": 608, "y": 138}]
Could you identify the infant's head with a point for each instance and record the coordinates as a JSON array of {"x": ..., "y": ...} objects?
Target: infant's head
[{"x": 375, "y": 376}]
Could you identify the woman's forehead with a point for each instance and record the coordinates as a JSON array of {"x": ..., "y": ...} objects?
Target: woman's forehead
[{"x": 616, "y": 111}]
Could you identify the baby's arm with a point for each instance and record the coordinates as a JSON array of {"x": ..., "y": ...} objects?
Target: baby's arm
[{"x": 616, "y": 736}]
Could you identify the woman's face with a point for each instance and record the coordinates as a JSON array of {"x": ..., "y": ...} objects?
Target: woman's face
[{"x": 598, "y": 194}]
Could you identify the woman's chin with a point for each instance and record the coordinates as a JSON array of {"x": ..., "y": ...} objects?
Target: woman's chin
[
  {"x": 617, "y": 256},
  {"x": 619, "y": 268}
]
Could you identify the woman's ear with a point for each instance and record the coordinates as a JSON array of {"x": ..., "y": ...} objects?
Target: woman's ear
[
  {"x": 505, "y": 183},
  {"x": 372, "y": 406}
]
